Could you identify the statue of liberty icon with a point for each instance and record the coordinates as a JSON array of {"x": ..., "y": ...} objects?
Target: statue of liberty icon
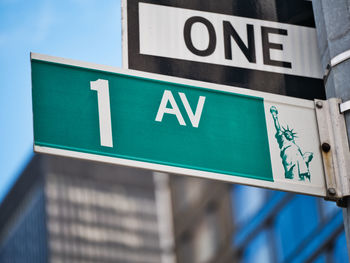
[{"x": 295, "y": 162}]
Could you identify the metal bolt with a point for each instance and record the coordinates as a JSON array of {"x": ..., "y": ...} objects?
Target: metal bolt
[
  {"x": 331, "y": 191},
  {"x": 326, "y": 147},
  {"x": 319, "y": 104}
]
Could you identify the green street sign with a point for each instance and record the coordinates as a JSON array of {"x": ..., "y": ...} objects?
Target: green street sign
[{"x": 173, "y": 125}]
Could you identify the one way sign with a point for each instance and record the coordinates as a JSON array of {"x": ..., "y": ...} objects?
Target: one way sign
[{"x": 268, "y": 46}]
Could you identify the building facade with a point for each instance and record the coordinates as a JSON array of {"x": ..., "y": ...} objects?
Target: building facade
[
  {"x": 80, "y": 212},
  {"x": 272, "y": 226},
  {"x": 69, "y": 210}
]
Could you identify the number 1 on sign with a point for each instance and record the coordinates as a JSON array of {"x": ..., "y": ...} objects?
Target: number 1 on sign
[{"x": 104, "y": 111}]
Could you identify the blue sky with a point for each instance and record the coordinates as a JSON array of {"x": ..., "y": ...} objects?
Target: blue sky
[{"x": 88, "y": 30}]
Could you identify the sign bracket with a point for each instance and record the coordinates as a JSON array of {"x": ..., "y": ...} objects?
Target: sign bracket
[
  {"x": 345, "y": 106},
  {"x": 338, "y": 59},
  {"x": 334, "y": 148}
]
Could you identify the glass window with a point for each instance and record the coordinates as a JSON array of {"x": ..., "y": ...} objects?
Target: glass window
[
  {"x": 321, "y": 259},
  {"x": 295, "y": 221},
  {"x": 340, "y": 249},
  {"x": 328, "y": 208},
  {"x": 247, "y": 201},
  {"x": 258, "y": 249}
]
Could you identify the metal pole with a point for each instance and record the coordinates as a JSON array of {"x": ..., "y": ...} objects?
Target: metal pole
[{"x": 333, "y": 33}]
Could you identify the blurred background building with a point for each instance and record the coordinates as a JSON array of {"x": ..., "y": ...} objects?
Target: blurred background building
[
  {"x": 69, "y": 210},
  {"x": 63, "y": 210}
]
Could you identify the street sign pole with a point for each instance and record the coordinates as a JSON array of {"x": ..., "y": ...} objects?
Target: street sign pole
[{"x": 332, "y": 26}]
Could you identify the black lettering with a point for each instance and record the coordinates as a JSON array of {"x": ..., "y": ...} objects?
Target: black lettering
[
  {"x": 266, "y": 46},
  {"x": 248, "y": 51},
  {"x": 212, "y": 36}
]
